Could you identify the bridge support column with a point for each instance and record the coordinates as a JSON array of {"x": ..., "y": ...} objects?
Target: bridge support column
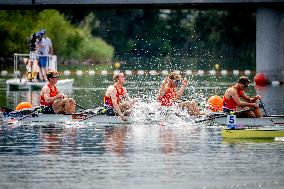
[{"x": 269, "y": 43}]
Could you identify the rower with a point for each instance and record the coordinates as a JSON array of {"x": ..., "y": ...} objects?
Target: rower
[
  {"x": 116, "y": 99},
  {"x": 232, "y": 100},
  {"x": 54, "y": 100},
  {"x": 168, "y": 94}
]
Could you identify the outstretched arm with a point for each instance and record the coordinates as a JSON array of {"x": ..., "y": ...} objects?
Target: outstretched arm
[
  {"x": 126, "y": 94},
  {"x": 235, "y": 97},
  {"x": 181, "y": 90},
  {"x": 46, "y": 95},
  {"x": 248, "y": 99},
  {"x": 163, "y": 88}
]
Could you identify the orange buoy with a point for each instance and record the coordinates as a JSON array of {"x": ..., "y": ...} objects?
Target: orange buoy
[
  {"x": 260, "y": 79},
  {"x": 215, "y": 103},
  {"x": 23, "y": 105}
]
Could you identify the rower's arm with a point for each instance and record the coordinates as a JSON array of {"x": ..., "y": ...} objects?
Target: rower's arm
[
  {"x": 181, "y": 90},
  {"x": 255, "y": 98},
  {"x": 126, "y": 94},
  {"x": 162, "y": 89},
  {"x": 234, "y": 95},
  {"x": 246, "y": 97},
  {"x": 46, "y": 95}
]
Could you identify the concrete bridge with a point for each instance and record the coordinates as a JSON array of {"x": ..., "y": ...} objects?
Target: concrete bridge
[{"x": 269, "y": 22}]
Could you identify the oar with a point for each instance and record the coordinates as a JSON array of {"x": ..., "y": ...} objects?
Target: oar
[
  {"x": 100, "y": 111},
  {"x": 80, "y": 106},
  {"x": 32, "y": 111},
  {"x": 211, "y": 118},
  {"x": 261, "y": 105}
]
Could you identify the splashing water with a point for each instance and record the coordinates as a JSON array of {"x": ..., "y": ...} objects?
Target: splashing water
[{"x": 152, "y": 112}]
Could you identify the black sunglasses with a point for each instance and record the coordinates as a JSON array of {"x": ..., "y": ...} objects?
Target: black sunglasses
[
  {"x": 177, "y": 82},
  {"x": 245, "y": 85}
]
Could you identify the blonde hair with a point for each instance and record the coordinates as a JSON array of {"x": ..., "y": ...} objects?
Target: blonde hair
[
  {"x": 174, "y": 75},
  {"x": 51, "y": 74}
]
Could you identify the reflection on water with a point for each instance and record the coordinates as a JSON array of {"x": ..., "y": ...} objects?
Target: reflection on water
[
  {"x": 147, "y": 156},
  {"x": 115, "y": 140},
  {"x": 162, "y": 152},
  {"x": 168, "y": 139}
]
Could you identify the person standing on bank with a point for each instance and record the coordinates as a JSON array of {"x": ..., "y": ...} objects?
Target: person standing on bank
[
  {"x": 168, "y": 93},
  {"x": 232, "y": 100},
  {"x": 116, "y": 98},
  {"x": 51, "y": 65},
  {"x": 44, "y": 52},
  {"x": 54, "y": 100},
  {"x": 33, "y": 62}
]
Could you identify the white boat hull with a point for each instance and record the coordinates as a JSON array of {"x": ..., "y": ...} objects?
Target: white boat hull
[
  {"x": 24, "y": 84},
  {"x": 264, "y": 121}
]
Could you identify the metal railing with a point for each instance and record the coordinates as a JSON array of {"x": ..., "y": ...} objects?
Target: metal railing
[{"x": 19, "y": 56}]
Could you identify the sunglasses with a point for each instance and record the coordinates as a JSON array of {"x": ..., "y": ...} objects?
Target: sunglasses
[
  {"x": 177, "y": 82},
  {"x": 245, "y": 85}
]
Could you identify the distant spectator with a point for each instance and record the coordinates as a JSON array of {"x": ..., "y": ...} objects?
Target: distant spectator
[
  {"x": 50, "y": 48},
  {"x": 44, "y": 51},
  {"x": 33, "y": 62},
  {"x": 52, "y": 57}
]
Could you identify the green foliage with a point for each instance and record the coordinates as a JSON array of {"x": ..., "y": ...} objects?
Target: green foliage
[
  {"x": 15, "y": 29},
  {"x": 69, "y": 42},
  {"x": 151, "y": 39},
  {"x": 191, "y": 39}
]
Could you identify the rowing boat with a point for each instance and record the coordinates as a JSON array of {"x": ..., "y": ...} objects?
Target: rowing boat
[
  {"x": 64, "y": 119},
  {"x": 263, "y": 121},
  {"x": 258, "y": 132}
]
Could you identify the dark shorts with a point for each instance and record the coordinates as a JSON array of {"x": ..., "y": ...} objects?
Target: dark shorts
[
  {"x": 227, "y": 110},
  {"x": 48, "y": 110},
  {"x": 43, "y": 61},
  {"x": 109, "y": 111},
  {"x": 238, "y": 113}
]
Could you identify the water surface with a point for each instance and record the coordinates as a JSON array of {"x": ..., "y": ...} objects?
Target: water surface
[{"x": 164, "y": 154}]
